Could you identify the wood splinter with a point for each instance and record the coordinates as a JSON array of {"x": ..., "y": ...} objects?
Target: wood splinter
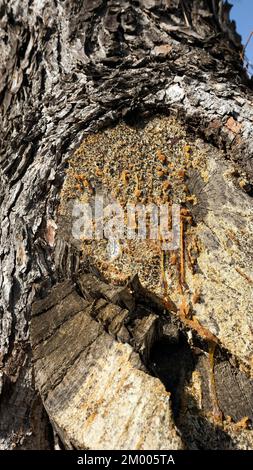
[{"x": 217, "y": 414}]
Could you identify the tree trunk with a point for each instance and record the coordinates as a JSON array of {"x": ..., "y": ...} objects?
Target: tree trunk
[{"x": 69, "y": 69}]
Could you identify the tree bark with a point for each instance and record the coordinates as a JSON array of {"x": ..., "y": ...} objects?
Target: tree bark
[{"x": 71, "y": 68}]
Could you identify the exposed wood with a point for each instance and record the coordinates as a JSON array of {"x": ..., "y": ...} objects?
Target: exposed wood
[{"x": 67, "y": 69}]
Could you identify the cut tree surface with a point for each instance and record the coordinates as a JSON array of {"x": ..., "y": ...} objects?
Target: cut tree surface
[
  {"x": 157, "y": 162},
  {"x": 112, "y": 377},
  {"x": 96, "y": 390},
  {"x": 67, "y": 70}
]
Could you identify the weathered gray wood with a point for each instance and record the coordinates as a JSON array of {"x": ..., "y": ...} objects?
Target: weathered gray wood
[
  {"x": 93, "y": 384},
  {"x": 88, "y": 381}
]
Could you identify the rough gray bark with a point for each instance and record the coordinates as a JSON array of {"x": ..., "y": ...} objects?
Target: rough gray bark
[{"x": 71, "y": 68}]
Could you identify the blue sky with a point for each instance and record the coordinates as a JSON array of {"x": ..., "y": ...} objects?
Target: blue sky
[{"x": 242, "y": 13}]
